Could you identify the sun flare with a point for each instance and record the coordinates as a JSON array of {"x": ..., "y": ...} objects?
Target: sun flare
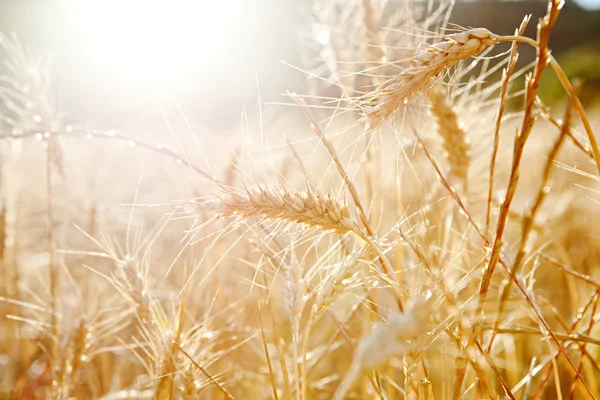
[{"x": 153, "y": 43}]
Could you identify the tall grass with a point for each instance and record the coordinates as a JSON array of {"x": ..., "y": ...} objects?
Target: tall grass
[{"x": 418, "y": 238}]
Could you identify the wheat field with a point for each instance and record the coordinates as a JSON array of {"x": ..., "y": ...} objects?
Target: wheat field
[{"x": 418, "y": 225}]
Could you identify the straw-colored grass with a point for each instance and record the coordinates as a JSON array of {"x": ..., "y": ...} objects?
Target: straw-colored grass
[{"x": 423, "y": 231}]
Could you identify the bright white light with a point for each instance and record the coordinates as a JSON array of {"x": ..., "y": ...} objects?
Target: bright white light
[
  {"x": 151, "y": 43},
  {"x": 589, "y": 4}
]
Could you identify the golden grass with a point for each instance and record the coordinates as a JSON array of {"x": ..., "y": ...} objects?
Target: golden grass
[{"x": 390, "y": 250}]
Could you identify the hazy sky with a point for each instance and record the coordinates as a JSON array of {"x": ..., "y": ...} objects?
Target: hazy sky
[
  {"x": 589, "y": 4},
  {"x": 123, "y": 61}
]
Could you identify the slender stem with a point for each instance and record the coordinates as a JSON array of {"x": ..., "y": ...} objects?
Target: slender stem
[
  {"x": 309, "y": 324},
  {"x": 560, "y": 73},
  {"x": 529, "y": 220},
  {"x": 52, "y": 277},
  {"x": 507, "y": 73},
  {"x": 83, "y": 132}
]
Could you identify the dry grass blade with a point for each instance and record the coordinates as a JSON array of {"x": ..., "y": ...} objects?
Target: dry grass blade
[{"x": 506, "y": 76}]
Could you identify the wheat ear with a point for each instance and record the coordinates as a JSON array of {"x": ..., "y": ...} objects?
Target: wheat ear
[
  {"x": 426, "y": 64},
  {"x": 399, "y": 335},
  {"x": 455, "y": 140},
  {"x": 312, "y": 209}
]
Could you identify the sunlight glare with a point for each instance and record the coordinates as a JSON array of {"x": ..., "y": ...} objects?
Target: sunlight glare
[{"x": 152, "y": 43}]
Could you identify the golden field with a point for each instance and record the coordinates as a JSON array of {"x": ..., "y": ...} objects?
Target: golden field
[{"x": 418, "y": 225}]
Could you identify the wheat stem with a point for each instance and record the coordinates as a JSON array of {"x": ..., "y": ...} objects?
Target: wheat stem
[
  {"x": 532, "y": 82},
  {"x": 530, "y": 218},
  {"x": 564, "y": 80},
  {"x": 506, "y": 75}
]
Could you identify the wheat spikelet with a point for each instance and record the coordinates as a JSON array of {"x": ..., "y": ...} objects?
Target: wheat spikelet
[
  {"x": 426, "y": 64},
  {"x": 309, "y": 208},
  {"x": 294, "y": 289},
  {"x": 343, "y": 274},
  {"x": 455, "y": 140}
]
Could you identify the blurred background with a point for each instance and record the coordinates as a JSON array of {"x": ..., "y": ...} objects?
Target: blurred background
[{"x": 125, "y": 63}]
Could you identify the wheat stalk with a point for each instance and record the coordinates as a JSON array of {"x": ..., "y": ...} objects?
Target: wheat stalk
[
  {"x": 506, "y": 77},
  {"x": 455, "y": 140},
  {"x": 528, "y": 221},
  {"x": 426, "y": 64},
  {"x": 532, "y": 82}
]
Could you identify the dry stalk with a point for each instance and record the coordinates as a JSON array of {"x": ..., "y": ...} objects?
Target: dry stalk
[
  {"x": 267, "y": 356},
  {"x": 77, "y": 131},
  {"x": 528, "y": 221},
  {"x": 530, "y": 302},
  {"x": 53, "y": 276},
  {"x": 294, "y": 290},
  {"x": 426, "y": 64},
  {"x": 166, "y": 383},
  {"x": 81, "y": 346},
  {"x": 545, "y": 113},
  {"x": 569, "y": 271},
  {"x": 564, "y": 81},
  {"x": 588, "y": 332},
  {"x": 532, "y": 82},
  {"x": 455, "y": 139},
  {"x": 278, "y": 342},
  {"x": 506, "y": 76},
  {"x": 9, "y": 287},
  {"x": 569, "y": 337},
  {"x": 232, "y": 168}
]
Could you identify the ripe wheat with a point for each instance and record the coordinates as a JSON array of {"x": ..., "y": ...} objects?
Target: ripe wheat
[{"x": 426, "y": 64}]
